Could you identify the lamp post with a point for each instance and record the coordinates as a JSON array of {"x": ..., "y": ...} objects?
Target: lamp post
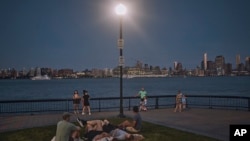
[{"x": 120, "y": 11}]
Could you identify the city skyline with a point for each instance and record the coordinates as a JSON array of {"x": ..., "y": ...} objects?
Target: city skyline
[
  {"x": 238, "y": 61},
  {"x": 83, "y": 34}
]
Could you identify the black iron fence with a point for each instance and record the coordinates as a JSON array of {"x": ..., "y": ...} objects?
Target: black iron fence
[{"x": 112, "y": 103}]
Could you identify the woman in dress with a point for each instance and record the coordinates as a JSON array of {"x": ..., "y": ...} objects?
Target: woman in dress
[
  {"x": 76, "y": 101},
  {"x": 178, "y": 100}
]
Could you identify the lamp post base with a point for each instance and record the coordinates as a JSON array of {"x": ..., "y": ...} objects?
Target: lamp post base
[{"x": 121, "y": 115}]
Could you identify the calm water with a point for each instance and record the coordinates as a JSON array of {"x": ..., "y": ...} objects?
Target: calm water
[{"x": 28, "y": 89}]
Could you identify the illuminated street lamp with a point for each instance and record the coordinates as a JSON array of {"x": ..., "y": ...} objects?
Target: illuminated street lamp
[{"x": 120, "y": 11}]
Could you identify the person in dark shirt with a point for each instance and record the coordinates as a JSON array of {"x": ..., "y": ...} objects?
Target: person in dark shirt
[
  {"x": 85, "y": 102},
  {"x": 115, "y": 132}
]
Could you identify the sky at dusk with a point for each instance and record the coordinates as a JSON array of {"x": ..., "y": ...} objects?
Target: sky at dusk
[{"x": 82, "y": 34}]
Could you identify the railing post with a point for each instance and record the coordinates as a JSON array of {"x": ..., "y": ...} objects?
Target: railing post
[
  {"x": 156, "y": 103},
  {"x": 68, "y": 105},
  {"x": 99, "y": 105},
  {"x": 209, "y": 98},
  {"x": 248, "y": 104},
  {"x": 129, "y": 100}
]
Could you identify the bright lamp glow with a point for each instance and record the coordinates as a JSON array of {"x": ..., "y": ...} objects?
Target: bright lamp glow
[{"x": 120, "y": 9}]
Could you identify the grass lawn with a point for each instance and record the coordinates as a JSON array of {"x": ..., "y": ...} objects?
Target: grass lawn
[{"x": 151, "y": 132}]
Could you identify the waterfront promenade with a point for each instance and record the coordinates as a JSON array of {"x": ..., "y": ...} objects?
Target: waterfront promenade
[{"x": 209, "y": 122}]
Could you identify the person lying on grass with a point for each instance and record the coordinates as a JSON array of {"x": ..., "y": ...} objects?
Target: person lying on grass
[{"x": 103, "y": 130}]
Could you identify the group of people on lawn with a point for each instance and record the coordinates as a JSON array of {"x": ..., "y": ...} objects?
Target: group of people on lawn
[
  {"x": 99, "y": 130},
  {"x": 103, "y": 130}
]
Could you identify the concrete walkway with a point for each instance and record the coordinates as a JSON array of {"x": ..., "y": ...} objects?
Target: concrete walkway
[{"x": 209, "y": 122}]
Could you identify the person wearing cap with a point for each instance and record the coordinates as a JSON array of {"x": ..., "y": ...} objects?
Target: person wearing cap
[{"x": 65, "y": 130}]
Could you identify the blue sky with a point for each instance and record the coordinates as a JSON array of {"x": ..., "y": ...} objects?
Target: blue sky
[{"x": 82, "y": 34}]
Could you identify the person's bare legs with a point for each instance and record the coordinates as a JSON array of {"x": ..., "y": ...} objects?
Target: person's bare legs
[
  {"x": 77, "y": 108},
  {"x": 95, "y": 125},
  {"x": 180, "y": 107},
  {"x": 124, "y": 124},
  {"x": 102, "y": 135},
  {"x": 83, "y": 109},
  {"x": 89, "y": 110},
  {"x": 75, "y": 134},
  {"x": 176, "y": 106}
]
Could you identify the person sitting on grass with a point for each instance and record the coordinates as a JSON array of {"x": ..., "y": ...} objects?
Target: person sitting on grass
[
  {"x": 65, "y": 130},
  {"x": 135, "y": 125}
]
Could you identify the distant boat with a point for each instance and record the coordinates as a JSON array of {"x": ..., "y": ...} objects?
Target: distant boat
[
  {"x": 41, "y": 77},
  {"x": 128, "y": 76}
]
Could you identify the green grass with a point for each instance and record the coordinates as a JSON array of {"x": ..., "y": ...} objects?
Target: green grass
[{"x": 151, "y": 132}]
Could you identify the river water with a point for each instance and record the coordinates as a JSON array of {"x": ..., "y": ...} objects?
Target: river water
[{"x": 110, "y": 87}]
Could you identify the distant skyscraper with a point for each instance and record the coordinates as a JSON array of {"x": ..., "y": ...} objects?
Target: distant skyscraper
[
  {"x": 210, "y": 65},
  {"x": 205, "y": 61},
  {"x": 175, "y": 65},
  {"x": 219, "y": 62},
  {"x": 247, "y": 63},
  {"x": 237, "y": 60}
]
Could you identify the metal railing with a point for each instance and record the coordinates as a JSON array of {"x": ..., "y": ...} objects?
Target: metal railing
[{"x": 112, "y": 103}]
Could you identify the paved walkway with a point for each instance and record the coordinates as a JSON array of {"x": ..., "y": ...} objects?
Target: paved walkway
[{"x": 209, "y": 122}]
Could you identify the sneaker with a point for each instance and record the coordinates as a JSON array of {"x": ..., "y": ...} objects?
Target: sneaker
[
  {"x": 80, "y": 122},
  {"x": 89, "y": 113},
  {"x": 83, "y": 113}
]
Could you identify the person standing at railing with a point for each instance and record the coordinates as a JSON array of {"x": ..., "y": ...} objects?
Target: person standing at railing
[
  {"x": 143, "y": 95},
  {"x": 85, "y": 102},
  {"x": 76, "y": 101},
  {"x": 178, "y": 101}
]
